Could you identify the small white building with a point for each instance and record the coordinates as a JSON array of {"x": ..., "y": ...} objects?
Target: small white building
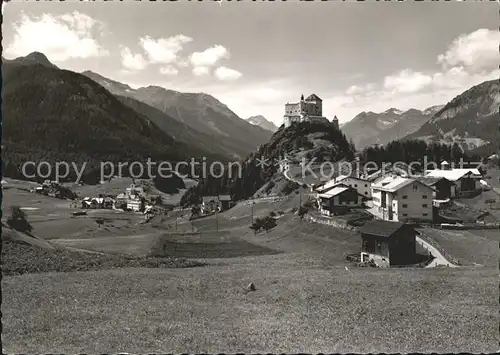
[
  {"x": 400, "y": 199},
  {"x": 135, "y": 203}
]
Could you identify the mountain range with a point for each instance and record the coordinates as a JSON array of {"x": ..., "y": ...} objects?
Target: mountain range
[
  {"x": 471, "y": 119},
  {"x": 262, "y": 122},
  {"x": 369, "y": 128},
  {"x": 55, "y": 115},
  {"x": 229, "y": 134}
]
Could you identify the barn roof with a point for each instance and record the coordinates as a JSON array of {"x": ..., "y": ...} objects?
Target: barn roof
[
  {"x": 381, "y": 228},
  {"x": 432, "y": 180}
]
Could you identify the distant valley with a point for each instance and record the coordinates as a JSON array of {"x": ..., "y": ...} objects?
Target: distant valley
[{"x": 369, "y": 128}]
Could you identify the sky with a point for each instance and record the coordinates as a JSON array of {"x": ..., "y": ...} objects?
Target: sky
[{"x": 257, "y": 56}]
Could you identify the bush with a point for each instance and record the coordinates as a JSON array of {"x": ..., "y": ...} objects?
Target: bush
[
  {"x": 302, "y": 211},
  {"x": 265, "y": 223},
  {"x": 18, "y": 220}
]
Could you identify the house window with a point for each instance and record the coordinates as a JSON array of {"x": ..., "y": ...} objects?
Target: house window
[
  {"x": 424, "y": 206},
  {"x": 366, "y": 192},
  {"x": 355, "y": 185},
  {"x": 424, "y": 197},
  {"x": 405, "y": 206},
  {"x": 366, "y": 185},
  {"x": 424, "y": 214},
  {"x": 415, "y": 187},
  {"x": 405, "y": 214},
  {"x": 405, "y": 197}
]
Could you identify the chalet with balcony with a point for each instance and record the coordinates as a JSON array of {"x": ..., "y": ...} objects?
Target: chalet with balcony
[{"x": 339, "y": 200}]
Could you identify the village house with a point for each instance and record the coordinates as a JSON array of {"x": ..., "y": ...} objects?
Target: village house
[
  {"x": 363, "y": 187},
  {"x": 465, "y": 180},
  {"x": 388, "y": 243},
  {"x": 108, "y": 203},
  {"x": 339, "y": 200},
  {"x": 86, "y": 203},
  {"x": 396, "y": 198},
  {"x": 224, "y": 202},
  {"x": 209, "y": 204},
  {"x": 121, "y": 200},
  {"x": 443, "y": 188},
  {"x": 135, "y": 203}
]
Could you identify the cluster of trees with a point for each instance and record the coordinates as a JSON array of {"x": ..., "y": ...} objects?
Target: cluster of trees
[
  {"x": 415, "y": 150},
  {"x": 264, "y": 223},
  {"x": 18, "y": 221}
]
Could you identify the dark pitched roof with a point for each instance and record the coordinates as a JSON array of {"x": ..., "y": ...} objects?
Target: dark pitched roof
[
  {"x": 381, "y": 228},
  {"x": 432, "y": 180},
  {"x": 313, "y": 97}
]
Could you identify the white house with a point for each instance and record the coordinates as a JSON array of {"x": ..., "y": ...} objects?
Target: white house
[
  {"x": 363, "y": 187},
  {"x": 400, "y": 199}
]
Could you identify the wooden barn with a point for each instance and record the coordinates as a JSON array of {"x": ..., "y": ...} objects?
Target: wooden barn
[
  {"x": 388, "y": 243},
  {"x": 443, "y": 188}
]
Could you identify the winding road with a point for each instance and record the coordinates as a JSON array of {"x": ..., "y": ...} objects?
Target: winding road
[{"x": 439, "y": 259}]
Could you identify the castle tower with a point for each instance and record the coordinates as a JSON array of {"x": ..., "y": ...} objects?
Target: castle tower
[{"x": 335, "y": 121}]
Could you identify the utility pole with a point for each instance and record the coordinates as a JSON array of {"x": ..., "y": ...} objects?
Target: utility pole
[
  {"x": 300, "y": 203},
  {"x": 176, "y": 218},
  {"x": 251, "y": 208},
  {"x": 216, "y": 220}
]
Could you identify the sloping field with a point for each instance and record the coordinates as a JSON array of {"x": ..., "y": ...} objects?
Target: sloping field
[
  {"x": 296, "y": 307},
  {"x": 470, "y": 247},
  {"x": 136, "y": 244},
  {"x": 206, "y": 246}
]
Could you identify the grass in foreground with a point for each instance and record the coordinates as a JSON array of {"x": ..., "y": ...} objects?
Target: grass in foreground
[
  {"x": 296, "y": 307},
  {"x": 19, "y": 258}
]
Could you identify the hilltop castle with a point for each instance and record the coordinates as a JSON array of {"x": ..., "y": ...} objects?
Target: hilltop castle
[{"x": 307, "y": 110}]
